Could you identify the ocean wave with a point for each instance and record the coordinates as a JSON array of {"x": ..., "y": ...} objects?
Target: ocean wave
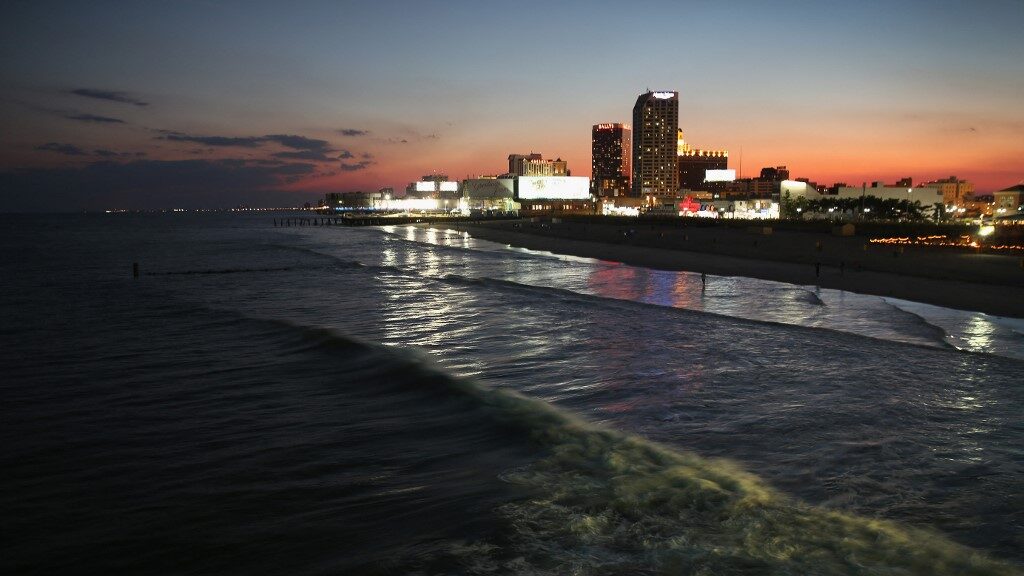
[
  {"x": 218, "y": 271},
  {"x": 922, "y": 325},
  {"x": 602, "y": 501}
]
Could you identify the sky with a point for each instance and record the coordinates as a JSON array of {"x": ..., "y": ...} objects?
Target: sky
[{"x": 212, "y": 104}]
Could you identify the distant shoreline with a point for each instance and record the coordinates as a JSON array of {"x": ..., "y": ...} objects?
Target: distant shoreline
[{"x": 989, "y": 283}]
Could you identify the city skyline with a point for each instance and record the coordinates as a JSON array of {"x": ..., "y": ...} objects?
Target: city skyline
[{"x": 222, "y": 103}]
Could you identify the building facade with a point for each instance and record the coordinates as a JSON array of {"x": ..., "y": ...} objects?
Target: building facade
[
  {"x": 655, "y": 123},
  {"x": 533, "y": 164},
  {"x": 433, "y": 186},
  {"x": 954, "y": 190},
  {"x": 611, "y": 146},
  {"x": 694, "y": 164},
  {"x": 926, "y": 195},
  {"x": 1008, "y": 201},
  {"x": 489, "y": 195}
]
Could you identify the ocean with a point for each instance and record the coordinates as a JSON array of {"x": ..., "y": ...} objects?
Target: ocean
[{"x": 403, "y": 400}]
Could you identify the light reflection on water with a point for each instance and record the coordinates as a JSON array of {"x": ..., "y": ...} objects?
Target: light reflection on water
[
  {"x": 918, "y": 433},
  {"x": 740, "y": 297}
]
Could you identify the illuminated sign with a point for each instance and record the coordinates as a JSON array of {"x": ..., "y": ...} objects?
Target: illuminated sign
[
  {"x": 688, "y": 205},
  {"x": 449, "y": 186},
  {"x": 426, "y": 186},
  {"x": 553, "y": 188},
  {"x": 488, "y": 188},
  {"x": 664, "y": 95},
  {"x": 719, "y": 175}
]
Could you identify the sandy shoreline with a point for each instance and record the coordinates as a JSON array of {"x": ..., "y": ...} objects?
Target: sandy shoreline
[{"x": 988, "y": 283}]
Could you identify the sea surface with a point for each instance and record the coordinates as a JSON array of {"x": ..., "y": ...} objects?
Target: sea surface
[{"x": 413, "y": 400}]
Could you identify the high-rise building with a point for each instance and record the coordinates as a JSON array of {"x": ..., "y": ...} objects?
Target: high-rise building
[
  {"x": 610, "y": 150},
  {"x": 533, "y": 164},
  {"x": 655, "y": 121}
]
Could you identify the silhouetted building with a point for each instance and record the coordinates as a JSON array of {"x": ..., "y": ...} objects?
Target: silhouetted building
[
  {"x": 533, "y": 164},
  {"x": 693, "y": 165},
  {"x": 655, "y": 121},
  {"x": 776, "y": 174},
  {"x": 610, "y": 160}
]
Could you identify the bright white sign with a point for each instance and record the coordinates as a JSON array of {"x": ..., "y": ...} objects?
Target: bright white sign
[
  {"x": 720, "y": 175},
  {"x": 426, "y": 186},
  {"x": 449, "y": 186},
  {"x": 553, "y": 188},
  {"x": 664, "y": 95}
]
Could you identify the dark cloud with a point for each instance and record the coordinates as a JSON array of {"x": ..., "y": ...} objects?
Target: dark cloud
[
  {"x": 109, "y": 95},
  {"x": 345, "y": 155},
  {"x": 195, "y": 183},
  {"x": 285, "y": 140},
  {"x": 94, "y": 118},
  {"x": 353, "y": 132},
  {"x": 299, "y": 142},
  {"x": 239, "y": 141},
  {"x": 313, "y": 155},
  {"x": 367, "y": 155},
  {"x": 111, "y": 154},
  {"x": 66, "y": 149},
  {"x": 355, "y": 166}
]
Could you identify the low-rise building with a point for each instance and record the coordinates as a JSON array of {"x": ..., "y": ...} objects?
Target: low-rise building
[
  {"x": 433, "y": 186},
  {"x": 926, "y": 195},
  {"x": 1008, "y": 202},
  {"x": 954, "y": 191},
  {"x": 353, "y": 201},
  {"x": 489, "y": 194}
]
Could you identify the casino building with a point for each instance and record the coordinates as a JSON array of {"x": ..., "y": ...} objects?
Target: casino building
[{"x": 610, "y": 160}]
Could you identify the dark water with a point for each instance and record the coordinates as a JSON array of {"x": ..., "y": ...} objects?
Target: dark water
[{"x": 331, "y": 400}]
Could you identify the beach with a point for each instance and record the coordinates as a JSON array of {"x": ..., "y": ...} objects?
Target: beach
[{"x": 989, "y": 283}]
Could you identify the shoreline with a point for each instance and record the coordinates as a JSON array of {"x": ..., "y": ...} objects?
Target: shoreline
[{"x": 841, "y": 263}]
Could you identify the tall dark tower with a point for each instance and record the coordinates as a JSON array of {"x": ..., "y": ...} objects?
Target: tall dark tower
[
  {"x": 610, "y": 150},
  {"x": 655, "y": 121}
]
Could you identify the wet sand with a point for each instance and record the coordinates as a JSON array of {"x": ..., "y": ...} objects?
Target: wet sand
[{"x": 990, "y": 283}]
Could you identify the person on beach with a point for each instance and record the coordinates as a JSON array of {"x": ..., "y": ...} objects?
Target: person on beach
[
  {"x": 817, "y": 269},
  {"x": 703, "y": 280}
]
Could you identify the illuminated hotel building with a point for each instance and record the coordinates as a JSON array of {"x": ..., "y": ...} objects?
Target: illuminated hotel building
[
  {"x": 533, "y": 164},
  {"x": 655, "y": 121},
  {"x": 610, "y": 152},
  {"x": 694, "y": 163}
]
